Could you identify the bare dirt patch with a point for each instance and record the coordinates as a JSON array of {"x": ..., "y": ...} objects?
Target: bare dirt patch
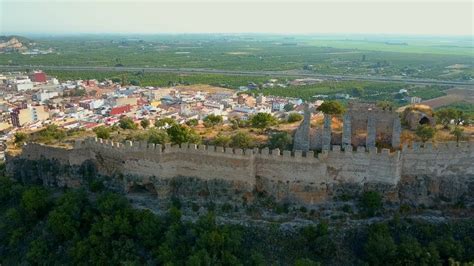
[{"x": 454, "y": 95}]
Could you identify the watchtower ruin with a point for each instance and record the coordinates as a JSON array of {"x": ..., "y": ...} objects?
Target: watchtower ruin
[{"x": 363, "y": 125}]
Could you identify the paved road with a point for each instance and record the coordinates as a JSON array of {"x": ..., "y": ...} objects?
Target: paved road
[{"x": 295, "y": 74}]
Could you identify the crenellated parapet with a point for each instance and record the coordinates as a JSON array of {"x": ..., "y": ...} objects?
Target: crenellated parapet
[
  {"x": 189, "y": 148},
  {"x": 333, "y": 165},
  {"x": 142, "y": 146},
  {"x": 443, "y": 147}
]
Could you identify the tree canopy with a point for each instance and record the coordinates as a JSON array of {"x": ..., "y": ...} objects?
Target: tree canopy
[
  {"x": 165, "y": 122},
  {"x": 280, "y": 140},
  {"x": 70, "y": 227},
  {"x": 145, "y": 123},
  {"x": 331, "y": 108},
  {"x": 242, "y": 140},
  {"x": 262, "y": 120},
  {"x": 127, "y": 123},
  {"x": 102, "y": 132},
  {"x": 294, "y": 117},
  {"x": 425, "y": 132},
  {"x": 212, "y": 120},
  {"x": 182, "y": 134}
]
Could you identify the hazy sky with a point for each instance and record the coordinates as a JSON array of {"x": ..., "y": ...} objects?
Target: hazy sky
[{"x": 146, "y": 16}]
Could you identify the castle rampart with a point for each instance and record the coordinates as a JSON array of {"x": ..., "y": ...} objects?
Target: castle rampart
[{"x": 298, "y": 174}]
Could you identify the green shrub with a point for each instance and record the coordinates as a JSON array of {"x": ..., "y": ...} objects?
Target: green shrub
[
  {"x": 294, "y": 117},
  {"x": 127, "y": 123},
  {"x": 371, "y": 202}
]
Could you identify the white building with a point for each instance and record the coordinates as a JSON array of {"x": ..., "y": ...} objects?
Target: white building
[
  {"x": 414, "y": 100},
  {"x": 46, "y": 95},
  {"x": 24, "y": 86},
  {"x": 213, "y": 105},
  {"x": 92, "y": 104},
  {"x": 278, "y": 105}
]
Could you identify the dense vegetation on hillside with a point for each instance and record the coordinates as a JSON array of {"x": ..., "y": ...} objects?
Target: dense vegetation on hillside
[{"x": 54, "y": 226}]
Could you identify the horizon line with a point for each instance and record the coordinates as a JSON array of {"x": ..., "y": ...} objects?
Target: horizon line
[{"x": 6, "y": 33}]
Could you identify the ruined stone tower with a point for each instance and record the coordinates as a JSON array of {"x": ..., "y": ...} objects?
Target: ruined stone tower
[
  {"x": 302, "y": 134},
  {"x": 361, "y": 120}
]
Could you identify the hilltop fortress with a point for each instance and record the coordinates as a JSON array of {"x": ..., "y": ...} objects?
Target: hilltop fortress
[{"x": 415, "y": 175}]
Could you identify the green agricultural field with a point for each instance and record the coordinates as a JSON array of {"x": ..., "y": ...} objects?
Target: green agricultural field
[
  {"x": 161, "y": 79},
  {"x": 447, "y": 59},
  {"x": 433, "y": 46},
  {"x": 365, "y": 91}
]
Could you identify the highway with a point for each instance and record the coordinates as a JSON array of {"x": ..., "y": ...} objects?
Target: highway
[{"x": 273, "y": 74}]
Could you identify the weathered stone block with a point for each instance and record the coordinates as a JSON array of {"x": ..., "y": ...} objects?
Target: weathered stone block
[
  {"x": 158, "y": 148},
  {"x": 298, "y": 154},
  {"x": 276, "y": 152}
]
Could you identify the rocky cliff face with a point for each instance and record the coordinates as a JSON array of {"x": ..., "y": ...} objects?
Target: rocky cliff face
[
  {"x": 413, "y": 191},
  {"x": 11, "y": 44}
]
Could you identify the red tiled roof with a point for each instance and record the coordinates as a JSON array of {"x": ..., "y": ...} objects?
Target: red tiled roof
[{"x": 120, "y": 109}]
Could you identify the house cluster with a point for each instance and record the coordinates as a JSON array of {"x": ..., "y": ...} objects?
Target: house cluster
[{"x": 32, "y": 100}]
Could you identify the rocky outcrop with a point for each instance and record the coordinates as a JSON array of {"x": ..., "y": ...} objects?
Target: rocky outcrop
[{"x": 11, "y": 44}]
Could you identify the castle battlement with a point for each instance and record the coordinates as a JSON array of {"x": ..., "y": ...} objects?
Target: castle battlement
[
  {"x": 264, "y": 153},
  {"x": 300, "y": 171},
  {"x": 448, "y": 147}
]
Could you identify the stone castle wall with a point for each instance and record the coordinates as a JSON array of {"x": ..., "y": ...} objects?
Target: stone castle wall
[{"x": 306, "y": 177}]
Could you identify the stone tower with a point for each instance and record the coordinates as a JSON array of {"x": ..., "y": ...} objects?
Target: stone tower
[
  {"x": 302, "y": 134},
  {"x": 346, "y": 131},
  {"x": 371, "y": 132},
  {"x": 396, "y": 132},
  {"x": 326, "y": 140}
]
